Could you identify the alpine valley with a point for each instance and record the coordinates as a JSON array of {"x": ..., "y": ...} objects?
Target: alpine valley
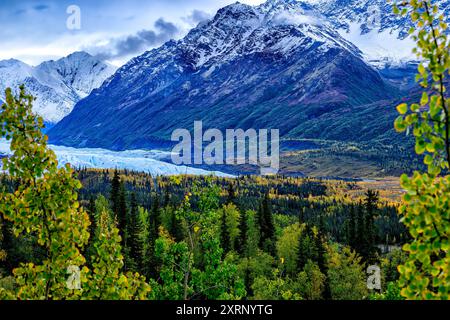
[{"x": 327, "y": 73}]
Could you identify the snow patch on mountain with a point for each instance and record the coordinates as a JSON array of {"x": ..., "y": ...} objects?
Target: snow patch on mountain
[
  {"x": 373, "y": 27},
  {"x": 381, "y": 48},
  {"x": 57, "y": 85}
]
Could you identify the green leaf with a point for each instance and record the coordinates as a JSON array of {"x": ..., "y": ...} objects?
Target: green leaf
[
  {"x": 402, "y": 108},
  {"x": 399, "y": 124},
  {"x": 424, "y": 99}
]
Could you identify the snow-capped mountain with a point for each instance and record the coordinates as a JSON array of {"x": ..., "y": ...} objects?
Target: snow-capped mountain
[
  {"x": 373, "y": 27},
  {"x": 276, "y": 65},
  {"x": 57, "y": 85},
  {"x": 368, "y": 15}
]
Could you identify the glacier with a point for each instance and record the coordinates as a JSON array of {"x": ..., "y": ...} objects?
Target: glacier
[{"x": 148, "y": 161}]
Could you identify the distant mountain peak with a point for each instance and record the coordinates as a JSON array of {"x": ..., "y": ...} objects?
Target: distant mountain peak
[
  {"x": 278, "y": 2},
  {"x": 284, "y": 4},
  {"x": 79, "y": 54},
  {"x": 57, "y": 85},
  {"x": 11, "y": 62}
]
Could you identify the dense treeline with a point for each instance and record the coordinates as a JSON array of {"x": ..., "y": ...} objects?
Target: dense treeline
[
  {"x": 249, "y": 237},
  {"x": 323, "y": 203}
]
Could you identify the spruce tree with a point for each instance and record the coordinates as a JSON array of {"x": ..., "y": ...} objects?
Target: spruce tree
[
  {"x": 241, "y": 240},
  {"x": 115, "y": 192},
  {"x": 307, "y": 248},
  {"x": 224, "y": 234},
  {"x": 166, "y": 198},
  {"x": 321, "y": 252},
  {"x": 135, "y": 243},
  {"x": 231, "y": 194},
  {"x": 360, "y": 238},
  {"x": 122, "y": 213},
  {"x": 175, "y": 227},
  {"x": 301, "y": 216},
  {"x": 91, "y": 211},
  {"x": 153, "y": 234},
  {"x": 266, "y": 226},
  {"x": 322, "y": 263},
  {"x": 351, "y": 223},
  {"x": 370, "y": 204},
  {"x": 248, "y": 281},
  {"x": 155, "y": 217}
]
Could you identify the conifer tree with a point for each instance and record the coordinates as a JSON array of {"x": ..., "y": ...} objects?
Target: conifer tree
[
  {"x": 351, "y": 237},
  {"x": 156, "y": 214},
  {"x": 307, "y": 248},
  {"x": 266, "y": 226},
  {"x": 135, "y": 242},
  {"x": 224, "y": 234},
  {"x": 166, "y": 198},
  {"x": 241, "y": 244},
  {"x": 175, "y": 227},
  {"x": 370, "y": 203},
  {"x": 360, "y": 238},
  {"x": 122, "y": 213},
  {"x": 115, "y": 191},
  {"x": 144, "y": 249},
  {"x": 231, "y": 194},
  {"x": 155, "y": 219},
  {"x": 154, "y": 222},
  {"x": 109, "y": 282}
]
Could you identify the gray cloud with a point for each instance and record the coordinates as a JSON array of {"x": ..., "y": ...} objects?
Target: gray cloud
[
  {"x": 136, "y": 43},
  {"x": 41, "y": 7},
  {"x": 196, "y": 17},
  {"x": 38, "y": 8}
]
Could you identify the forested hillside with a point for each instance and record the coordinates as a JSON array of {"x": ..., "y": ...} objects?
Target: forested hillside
[{"x": 245, "y": 238}]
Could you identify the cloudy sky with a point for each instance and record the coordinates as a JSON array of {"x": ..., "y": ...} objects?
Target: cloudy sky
[{"x": 116, "y": 30}]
